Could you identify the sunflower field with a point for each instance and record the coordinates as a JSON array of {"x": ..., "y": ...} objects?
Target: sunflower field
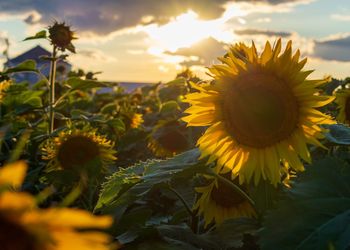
[{"x": 255, "y": 158}]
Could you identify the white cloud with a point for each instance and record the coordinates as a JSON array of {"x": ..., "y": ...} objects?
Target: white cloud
[{"x": 340, "y": 17}]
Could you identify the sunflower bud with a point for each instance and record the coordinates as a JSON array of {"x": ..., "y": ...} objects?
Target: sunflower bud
[{"x": 61, "y": 36}]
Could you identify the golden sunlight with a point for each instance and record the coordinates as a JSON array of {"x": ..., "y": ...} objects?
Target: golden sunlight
[{"x": 186, "y": 30}]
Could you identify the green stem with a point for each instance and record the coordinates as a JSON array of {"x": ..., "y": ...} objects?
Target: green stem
[
  {"x": 52, "y": 80},
  {"x": 234, "y": 187},
  {"x": 189, "y": 210},
  {"x": 194, "y": 218}
]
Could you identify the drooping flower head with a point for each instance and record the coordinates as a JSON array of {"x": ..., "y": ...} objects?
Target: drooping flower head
[
  {"x": 260, "y": 110},
  {"x": 168, "y": 138},
  {"x": 219, "y": 202},
  {"x": 24, "y": 226},
  {"x": 61, "y": 36},
  {"x": 343, "y": 101},
  {"x": 76, "y": 148}
]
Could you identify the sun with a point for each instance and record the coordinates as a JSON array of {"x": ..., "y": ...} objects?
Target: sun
[{"x": 186, "y": 30}]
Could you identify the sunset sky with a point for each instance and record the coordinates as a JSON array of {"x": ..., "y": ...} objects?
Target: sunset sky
[{"x": 152, "y": 40}]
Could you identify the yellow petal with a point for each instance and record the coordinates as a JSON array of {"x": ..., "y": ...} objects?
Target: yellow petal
[{"x": 13, "y": 174}]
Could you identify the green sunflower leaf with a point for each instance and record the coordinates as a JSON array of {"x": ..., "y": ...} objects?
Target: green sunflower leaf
[
  {"x": 169, "y": 107},
  {"x": 38, "y": 35},
  {"x": 77, "y": 83},
  {"x": 117, "y": 124},
  {"x": 26, "y": 66},
  {"x": 127, "y": 185},
  {"x": 338, "y": 134},
  {"x": 315, "y": 212},
  {"x": 228, "y": 235},
  {"x": 118, "y": 183}
]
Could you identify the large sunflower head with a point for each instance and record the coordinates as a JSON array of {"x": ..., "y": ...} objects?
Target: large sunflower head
[
  {"x": 168, "y": 138},
  {"x": 24, "y": 226},
  {"x": 219, "y": 202},
  {"x": 343, "y": 101},
  {"x": 77, "y": 148},
  {"x": 261, "y": 110}
]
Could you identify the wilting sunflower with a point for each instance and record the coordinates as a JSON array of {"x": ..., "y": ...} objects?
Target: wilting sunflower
[
  {"x": 343, "y": 101},
  {"x": 168, "y": 138},
  {"x": 219, "y": 202},
  {"x": 75, "y": 148},
  {"x": 61, "y": 36},
  {"x": 261, "y": 110},
  {"x": 24, "y": 226},
  {"x": 136, "y": 120}
]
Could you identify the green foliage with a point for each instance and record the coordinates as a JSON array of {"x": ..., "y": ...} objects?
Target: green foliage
[
  {"x": 152, "y": 199},
  {"x": 26, "y": 66},
  {"x": 170, "y": 107},
  {"x": 315, "y": 212},
  {"x": 78, "y": 83},
  {"x": 144, "y": 176},
  {"x": 38, "y": 35},
  {"x": 338, "y": 134},
  {"x": 19, "y": 99},
  {"x": 228, "y": 235}
]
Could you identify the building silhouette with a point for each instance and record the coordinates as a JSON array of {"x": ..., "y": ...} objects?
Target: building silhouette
[{"x": 36, "y": 54}]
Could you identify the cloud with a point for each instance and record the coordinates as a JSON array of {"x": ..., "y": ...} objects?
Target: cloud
[
  {"x": 340, "y": 17},
  {"x": 105, "y": 16},
  {"x": 250, "y": 32},
  {"x": 336, "y": 47},
  {"x": 95, "y": 55},
  {"x": 263, "y": 20},
  {"x": 201, "y": 53},
  {"x": 207, "y": 50}
]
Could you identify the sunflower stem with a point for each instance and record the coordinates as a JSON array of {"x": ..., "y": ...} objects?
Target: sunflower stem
[
  {"x": 194, "y": 218},
  {"x": 233, "y": 186},
  {"x": 188, "y": 209},
  {"x": 52, "y": 79}
]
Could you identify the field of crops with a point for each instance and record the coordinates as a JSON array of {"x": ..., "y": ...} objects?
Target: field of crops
[{"x": 255, "y": 158}]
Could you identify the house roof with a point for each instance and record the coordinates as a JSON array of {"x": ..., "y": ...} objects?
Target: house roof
[{"x": 34, "y": 54}]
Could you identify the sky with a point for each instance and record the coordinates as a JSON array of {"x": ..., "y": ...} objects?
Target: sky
[{"x": 152, "y": 40}]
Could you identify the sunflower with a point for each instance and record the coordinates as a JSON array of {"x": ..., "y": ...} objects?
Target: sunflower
[
  {"x": 219, "y": 202},
  {"x": 61, "y": 36},
  {"x": 168, "y": 138},
  {"x": 75, "y": 148},
  {"x": 13, "y": 174},
  {"x": 136, "y": 120},
  {"x": 343, "y": 101},
  {"x": 24, "y": 226},
  {"x": 3, "y": 87},
  {"x": 260, "y": 110}
]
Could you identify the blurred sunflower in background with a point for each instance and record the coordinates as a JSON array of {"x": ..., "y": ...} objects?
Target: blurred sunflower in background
[
  {"x": 343, "y": 101},
  {"x": 3, "y": 87},
  {"x": 260, "y": 110},
  {"x": 168, "y": 138},
  {"x": 24, "y": 226},
  {"x": 76, "y": 148},
  {"x": 218, "y": 202},
  {"x": 136, "y": 120}
]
